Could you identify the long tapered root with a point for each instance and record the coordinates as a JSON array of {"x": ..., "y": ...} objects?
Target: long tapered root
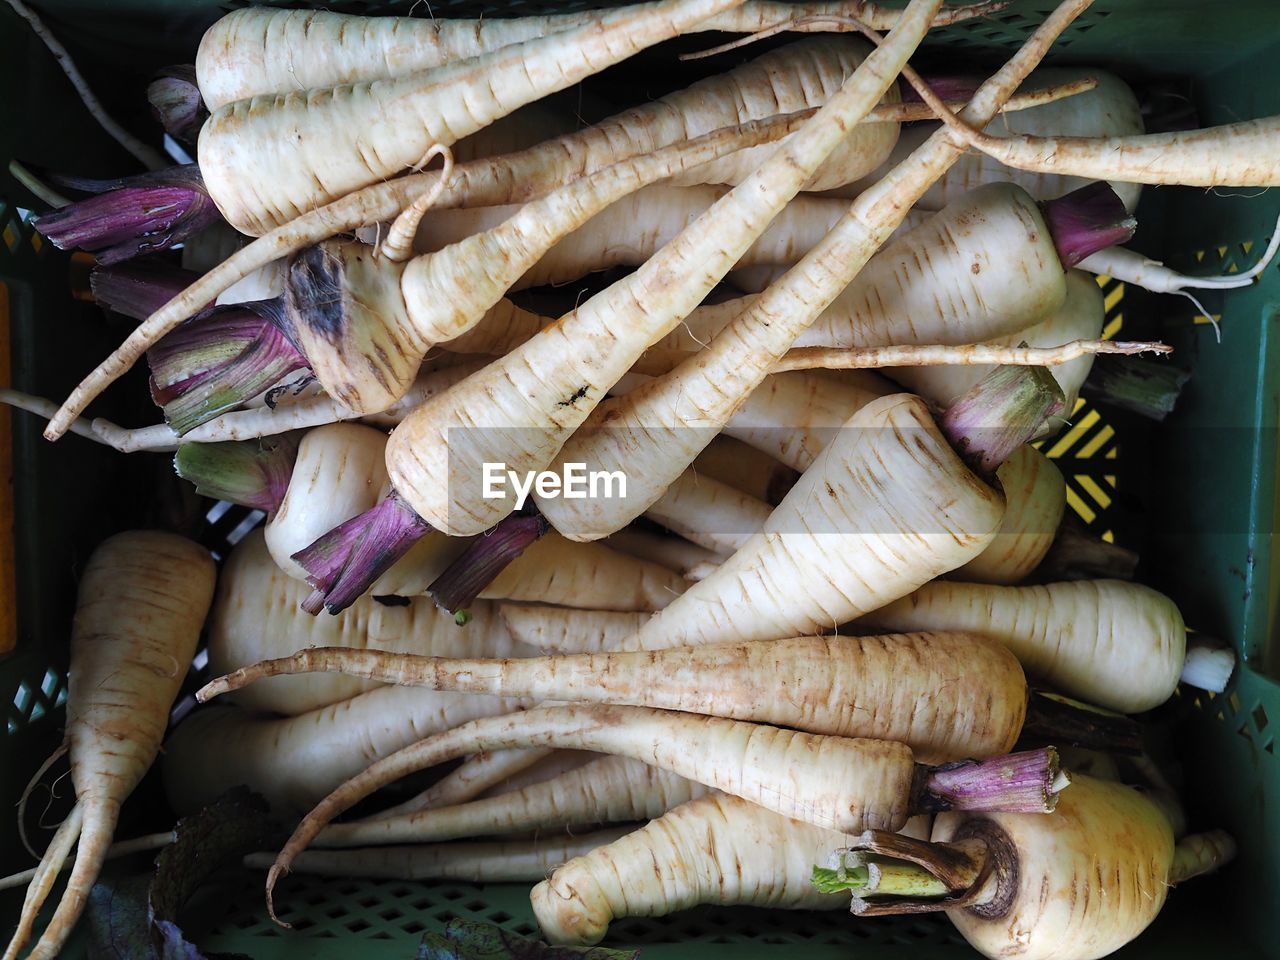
[
  {"x": 1232, "y": 155},
  {"x": 122, "y": 848},
  {"x": 398, "y": 245},
  {"x": 797, "y": 774},
  {"x": 476, "y": 775},
  {"x": 29, "y": 789},
  {"x": 912, "y": 355},
  {"x": 147, "y": 156},
  {"x": 42, "y": 880},
  {"x": 1201, "y": 853}
]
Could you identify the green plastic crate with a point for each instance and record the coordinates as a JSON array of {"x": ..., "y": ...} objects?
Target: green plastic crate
[{"x": 1196, "y": 495}]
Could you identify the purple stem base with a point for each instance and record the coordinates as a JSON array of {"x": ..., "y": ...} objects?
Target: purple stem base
[
  {"x": 482, "y": 561},
  {"x": 343, "y": 563},
  {"x": 1013, "y": 783},
  {"x": 1086, "y": 221},
  {"x": 131, "y": 216}
]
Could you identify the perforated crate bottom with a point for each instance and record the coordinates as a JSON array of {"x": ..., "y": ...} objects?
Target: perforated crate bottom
[{"x": 384, "y": 916}]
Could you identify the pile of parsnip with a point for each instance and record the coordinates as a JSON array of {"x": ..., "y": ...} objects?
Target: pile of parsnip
[{"x": 820, "y": 633}]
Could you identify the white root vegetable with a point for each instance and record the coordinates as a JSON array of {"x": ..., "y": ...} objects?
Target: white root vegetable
[
  {"x": 557, "y": 630},
  {"x": 923, "y": 287},
  {"x": 716, "y": 849},
  {"x": 1128, "y": 266},
  {"x": 348, "y": 137},
  {"x": 261, "y": 50},
  {"x": 1035, "y": 494},
  {"x": 472, "y": 778},
  {"x": 294, "y": 761},
  {"x": 1232, "y": 155},
  {"x": 631, "y": 230},
  {"x": 605, "y": 790},
  {"x": 784, "y": 79},
  {"x": 1117, "y": 644},
  {"x": 256, "y": 616},
  {"x": 503, "y": 861},
  {"x": 338, "y": 474},
  {"x": 1075, "y": 886},
  {"x": 364, "y": 321},
  {"x": 1081, "y": 316},
  {"x": 665, "y": 422},
  {"x": 746, "y": 468},
  {"x": 523, "y": 408},
  {"x": 887, "y": 506},
  {"x": 556, "y": 570},
  {"x": 709, "y": 512},
  {"x": 792, "y": 416},
  {"x": 830, "y": 781},
  {"x": 1110, "y": 109},
  {"x": 946, "y": 696},
  {"x": 674, "y": 553},
  {"x": 140, "y": 605},
  {"x": 555, "y": 764}
]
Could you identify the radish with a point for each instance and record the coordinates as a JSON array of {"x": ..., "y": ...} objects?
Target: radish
[
  {"x": 261, "y": 50},
  {"x": 830, "y": 781},
  {"x": 348, "y": 137},
  {"x": 605, "y": 790},
  {"x": 502, "y": 861},
  {"x": 141, "y": 602},
  {"x": 255, "y": 616},
  {"x": 1110, "y": 109},
  {"x": 294, "y": 761},
  {"x": 790, "y": 76},
  {"x": 837, "y": 686},
  {"x": 1119, "y": 645},
  {"x": 1074, "y": 886},
  {"x": 715, "y": 849}
]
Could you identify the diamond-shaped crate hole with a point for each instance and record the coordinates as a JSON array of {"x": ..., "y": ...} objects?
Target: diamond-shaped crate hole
[
  {"x": 32, "y": 701},
  {"x": 1260, "y": 720}
]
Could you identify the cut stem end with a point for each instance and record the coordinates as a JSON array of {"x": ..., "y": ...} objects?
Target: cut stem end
[
  {"x": 1086, "y": 221},
  {"x": 486, "y": 557},
  {"x": 343, "y": 563},
  {"x": 1001, "y": 413},
  {"x": 1027, "y": 782}
]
